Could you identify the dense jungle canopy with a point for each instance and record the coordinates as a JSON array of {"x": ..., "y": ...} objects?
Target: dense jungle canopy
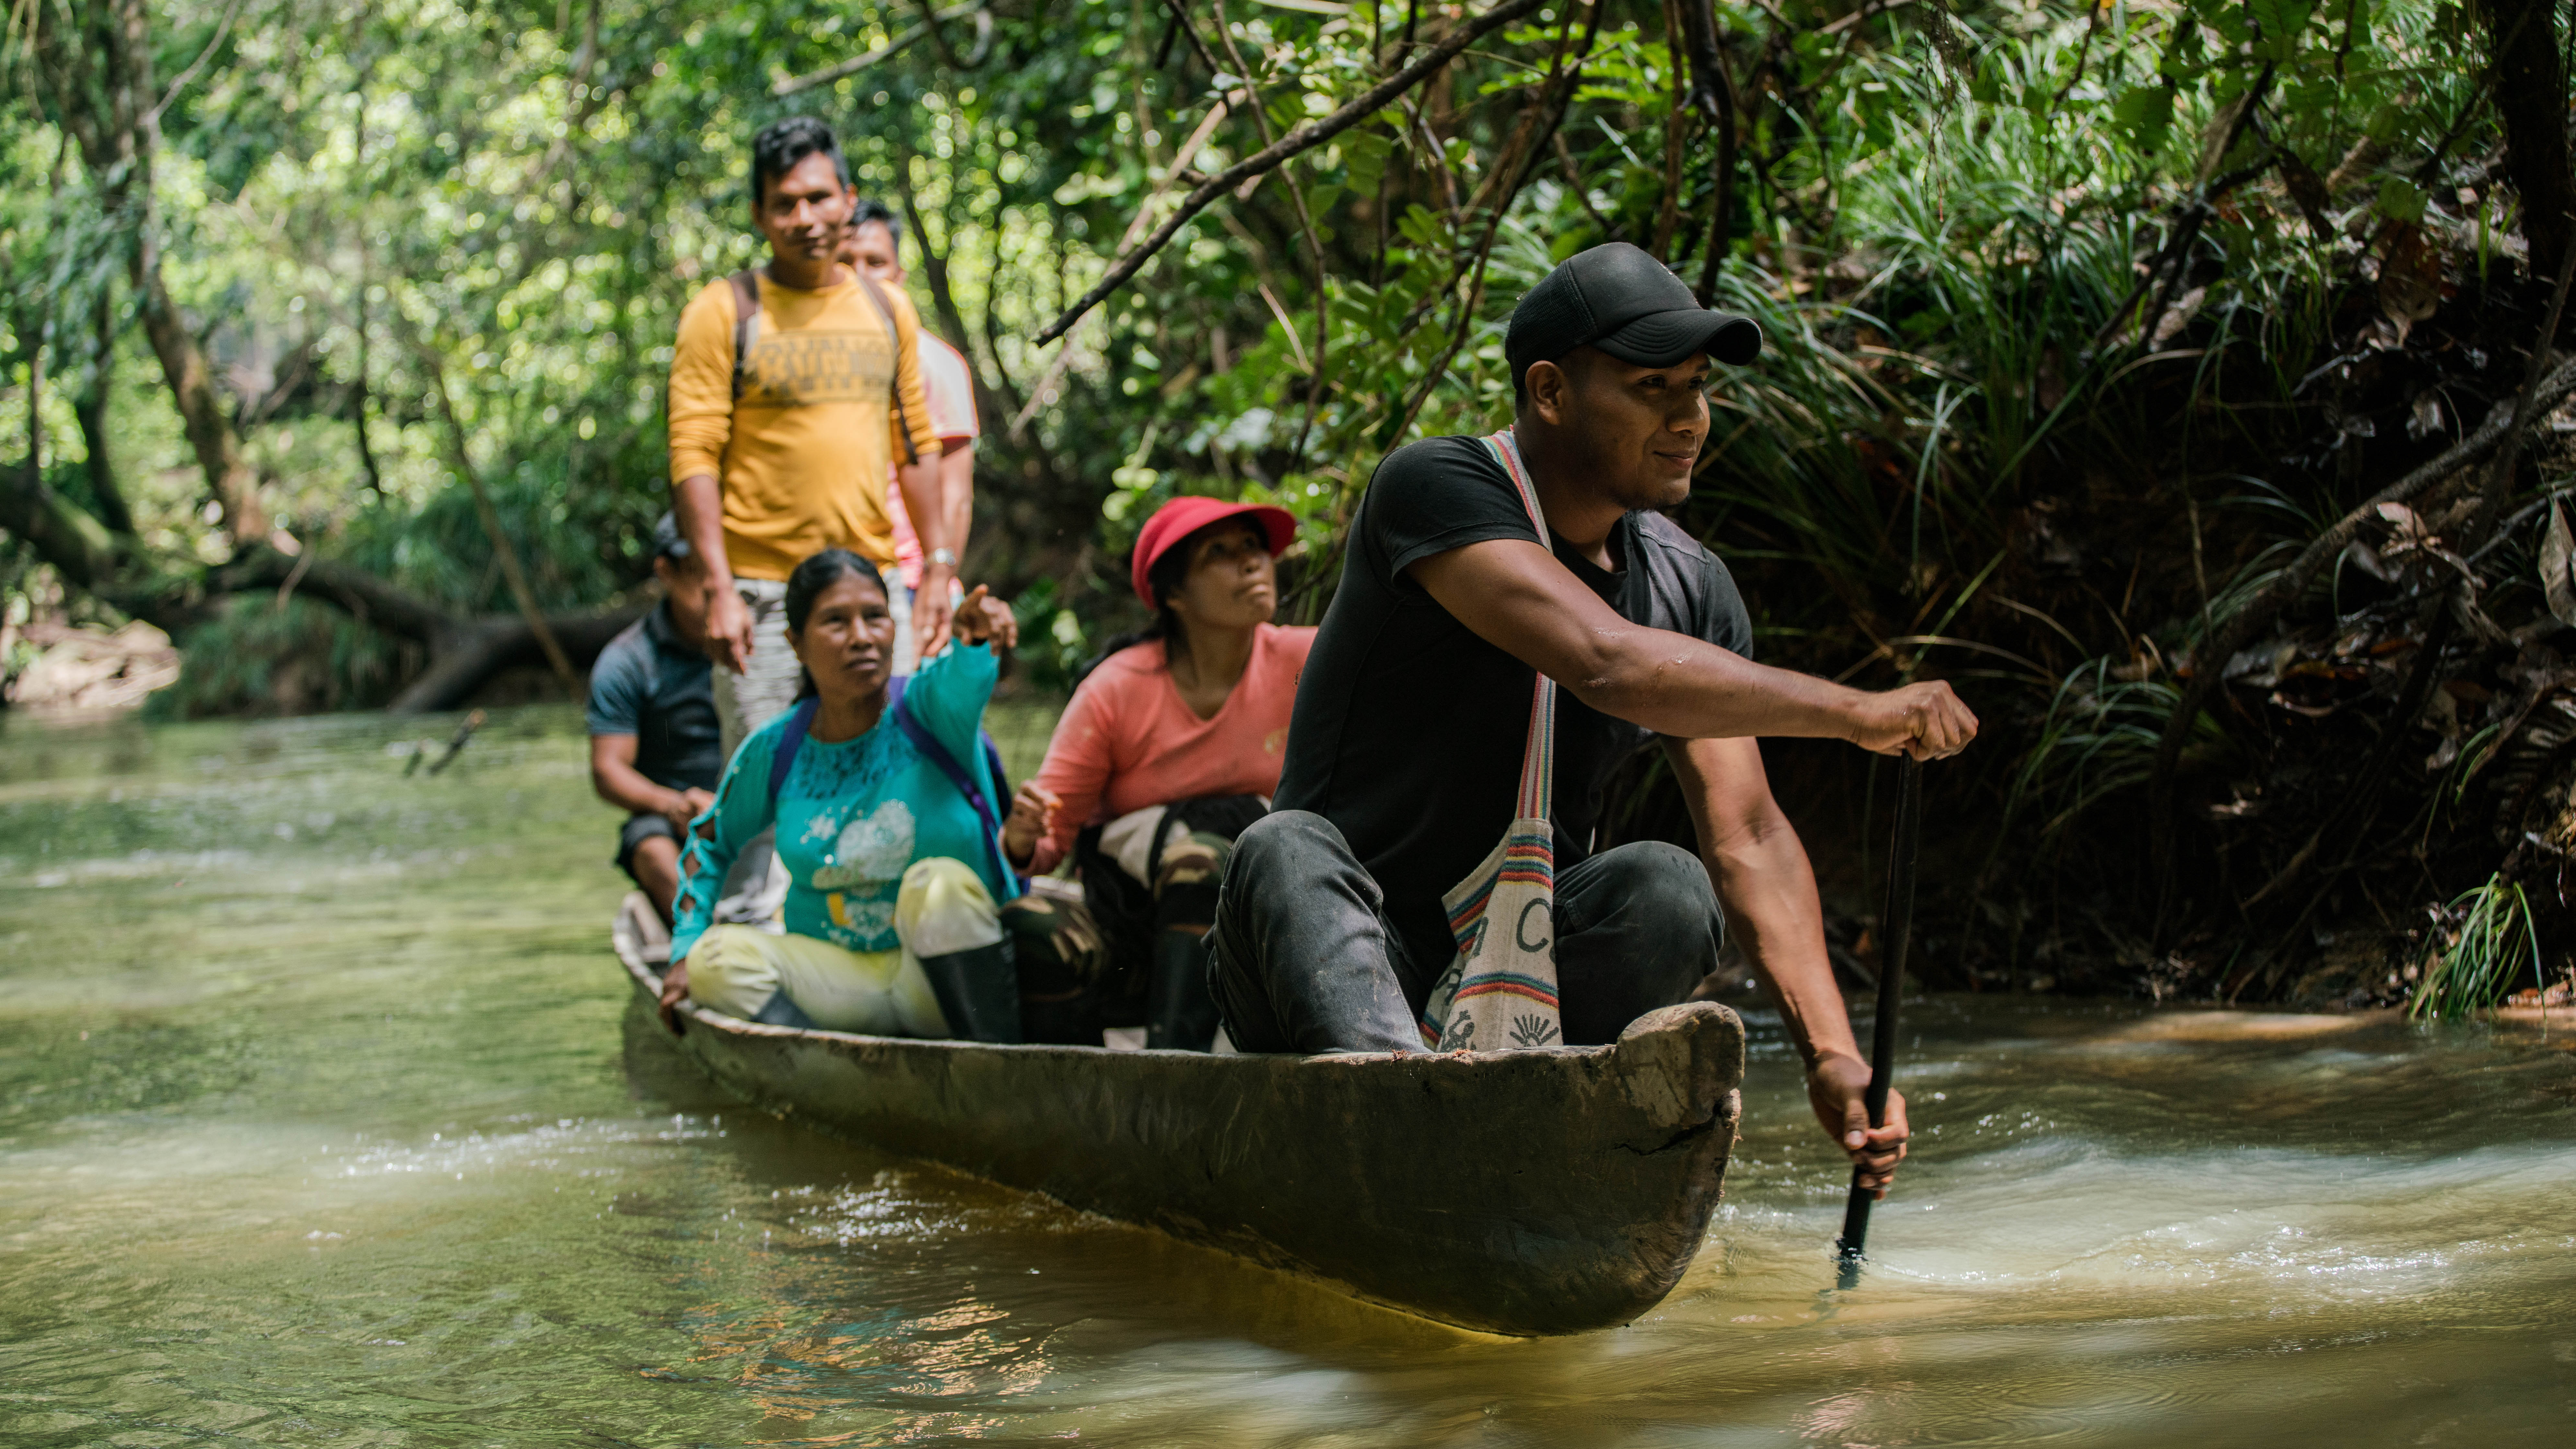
[{"x": 2170, "y": 375}]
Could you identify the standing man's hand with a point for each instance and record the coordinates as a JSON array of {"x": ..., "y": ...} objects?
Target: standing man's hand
[
  {"x": 697, "y": 506},
  {"x": 1838, "y": 1088},
  {"x": 728, "y": 626},
  {"x": 1926, "y": 721},
  {"x": 931, "y": 613}
]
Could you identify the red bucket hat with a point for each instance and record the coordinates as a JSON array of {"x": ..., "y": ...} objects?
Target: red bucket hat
[{"x": 1182, "y": 517}]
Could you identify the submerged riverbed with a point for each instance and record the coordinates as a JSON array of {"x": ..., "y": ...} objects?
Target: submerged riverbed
[{"x": 320, "y": 1124}]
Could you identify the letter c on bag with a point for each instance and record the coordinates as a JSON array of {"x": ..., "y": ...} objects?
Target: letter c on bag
[{"x": 1520, "y": 932}]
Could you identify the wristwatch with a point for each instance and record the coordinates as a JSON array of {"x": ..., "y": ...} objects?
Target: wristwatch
[{"x": 944, "y": 557}]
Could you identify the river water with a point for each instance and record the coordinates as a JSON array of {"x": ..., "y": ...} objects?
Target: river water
[{"x": 320, "y": 1123}]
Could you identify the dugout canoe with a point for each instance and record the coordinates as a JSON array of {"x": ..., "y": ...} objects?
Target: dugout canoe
[{"x": 1516, "y": 1192}]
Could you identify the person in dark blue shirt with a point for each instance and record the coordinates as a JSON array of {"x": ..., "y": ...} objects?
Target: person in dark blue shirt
[{"x": 654, "y": 746}]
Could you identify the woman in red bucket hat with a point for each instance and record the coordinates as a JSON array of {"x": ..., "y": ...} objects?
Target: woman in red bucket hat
[{"x": 1171, "y": 746}]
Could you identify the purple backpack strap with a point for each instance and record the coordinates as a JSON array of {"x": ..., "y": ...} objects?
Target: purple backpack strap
[
  {"x": 938, "y": 755},
  {"x": 783, "y": 759},
  {"x": 958, "y": 775}
]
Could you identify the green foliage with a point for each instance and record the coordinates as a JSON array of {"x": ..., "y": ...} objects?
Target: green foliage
[
  {"x": 2097, "y": 740},
  {"x": 2485, "y": 938},
  {"x": 261, "y": 658}
]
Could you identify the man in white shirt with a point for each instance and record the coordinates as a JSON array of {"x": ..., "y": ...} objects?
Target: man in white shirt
[{"x": 875, "y": 247}]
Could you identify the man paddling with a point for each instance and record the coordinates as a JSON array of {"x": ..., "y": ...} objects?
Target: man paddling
[{"x": 1412, "y": 716}]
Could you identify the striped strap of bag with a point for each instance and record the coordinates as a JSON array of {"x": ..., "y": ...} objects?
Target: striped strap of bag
[{"x": 1500, "y": 992}]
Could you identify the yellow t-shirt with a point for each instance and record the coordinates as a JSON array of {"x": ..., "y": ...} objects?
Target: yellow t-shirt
[{"x": 802, "y": 458}]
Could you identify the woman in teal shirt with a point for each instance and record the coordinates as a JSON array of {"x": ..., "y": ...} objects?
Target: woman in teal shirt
[{"x": 894, "y": 882}]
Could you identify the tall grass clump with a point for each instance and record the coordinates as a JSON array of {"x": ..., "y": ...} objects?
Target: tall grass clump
[{"x": 2472, "y": 965}]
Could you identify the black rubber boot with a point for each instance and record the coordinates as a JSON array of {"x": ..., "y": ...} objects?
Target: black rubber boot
[
  {"x": 1070, "y": 1021},
  {"x": 1179, "y": 1013},
  {"x": 978, "y": 991}
]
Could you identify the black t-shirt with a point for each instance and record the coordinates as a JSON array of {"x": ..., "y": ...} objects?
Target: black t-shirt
[
  {"x": 1409, "y": 729},
  {"x": 649, "y": 684}
]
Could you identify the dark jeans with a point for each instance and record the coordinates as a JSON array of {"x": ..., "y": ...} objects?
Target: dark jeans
[{"x": 1302, "y": 959}]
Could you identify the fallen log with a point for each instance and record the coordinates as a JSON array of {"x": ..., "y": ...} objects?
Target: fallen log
[
  {"x": 473, "y": 651},
  {"x": 464, "y": 651}
]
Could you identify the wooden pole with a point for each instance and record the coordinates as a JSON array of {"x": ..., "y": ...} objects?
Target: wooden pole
[{"x": 1898, "y": 921}]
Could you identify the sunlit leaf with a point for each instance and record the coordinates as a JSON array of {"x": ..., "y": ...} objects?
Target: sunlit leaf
[{"x": 2557, "y": 552}]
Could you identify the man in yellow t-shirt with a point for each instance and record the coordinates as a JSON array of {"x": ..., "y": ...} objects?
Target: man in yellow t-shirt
[{"x": 785, "y": 452}]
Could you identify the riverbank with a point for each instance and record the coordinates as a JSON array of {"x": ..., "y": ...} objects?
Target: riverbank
[{"x": 320, "y": 1123}]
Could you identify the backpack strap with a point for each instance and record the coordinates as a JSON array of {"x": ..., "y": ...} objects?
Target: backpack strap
[
  {"x": 894, "y": 345},
  {"x": 792, "y": 739},
  {"x": 746, "y": 325},
  {"x": 947, "y": 764}
]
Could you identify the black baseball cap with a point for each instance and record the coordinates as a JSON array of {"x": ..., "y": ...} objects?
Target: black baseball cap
[
  {"x": 667, "y": 542},
  {"x": 1621, "y": 300}
]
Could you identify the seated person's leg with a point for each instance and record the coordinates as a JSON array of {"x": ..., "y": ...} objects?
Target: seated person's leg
[
  {"x": 1300, "y": 958},
  {"x": 1179, "y": 1011},
  {"x": 1636, "y": 928},
  {"x": 792, "y": 980},
  {"x": 735, "y": 970},
  {"x": 648, "y": 850},
  {"x": 955, "y": 950},
  {"x": 1057, "y": 952}
]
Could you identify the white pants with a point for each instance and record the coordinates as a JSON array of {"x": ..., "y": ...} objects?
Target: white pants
[
  {"x": 942, "y": 907},
  {"x": 767, "y": 686}
]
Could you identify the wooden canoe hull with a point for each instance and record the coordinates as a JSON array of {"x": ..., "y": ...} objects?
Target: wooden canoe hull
[{"x": 1521, "y": 1192}]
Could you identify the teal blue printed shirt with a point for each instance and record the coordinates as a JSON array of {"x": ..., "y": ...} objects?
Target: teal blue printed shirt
[{"x": 851, "y": 816}]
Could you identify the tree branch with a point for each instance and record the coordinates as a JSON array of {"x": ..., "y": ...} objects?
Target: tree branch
[
  {"x": 1556, "y": 94},
  {"x": 1304, "y": 138},
  {"x": 231, "y": 12},
  {"x": 1305, "y": 228},
  {"x": 789, "y": 85}
]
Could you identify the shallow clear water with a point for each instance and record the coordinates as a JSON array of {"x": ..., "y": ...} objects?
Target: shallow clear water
[{"x": 320, "y": 1123}]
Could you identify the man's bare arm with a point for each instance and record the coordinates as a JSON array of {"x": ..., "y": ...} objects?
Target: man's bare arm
[
  {"x": 1515, "y": 595},
  {"x": 957, "y": 485},
  {"x": 614, "y": 776},
  {"x": 1760, "y": 869},
  {"x": 925, "y": 502},
  {"x": 697, "y": 505}
]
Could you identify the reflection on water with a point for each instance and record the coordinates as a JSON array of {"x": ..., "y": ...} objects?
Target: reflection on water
[{"x": 324, "y": 1119}]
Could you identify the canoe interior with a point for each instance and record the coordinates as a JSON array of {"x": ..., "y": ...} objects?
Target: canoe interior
[{"x": 1520, "y": 1192}]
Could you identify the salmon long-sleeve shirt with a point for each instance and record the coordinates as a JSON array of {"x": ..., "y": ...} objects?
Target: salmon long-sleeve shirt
[
  {"x": 1128, "y": 741},
  {"x": 802, "y": 458}
]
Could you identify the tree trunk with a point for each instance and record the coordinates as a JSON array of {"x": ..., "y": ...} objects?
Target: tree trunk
[
  {"x": 102, "y": 79},
  {"x": 201, "y": 408},
  {"x": 477, "y": 651},
  {"x": 87, "y": 555},
  {"x": 2531, "y": 98},
  {"x": 1712, "y": 94},
  {"x": 105, "y": 495},
  {"x": 116, "y": 568}
]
